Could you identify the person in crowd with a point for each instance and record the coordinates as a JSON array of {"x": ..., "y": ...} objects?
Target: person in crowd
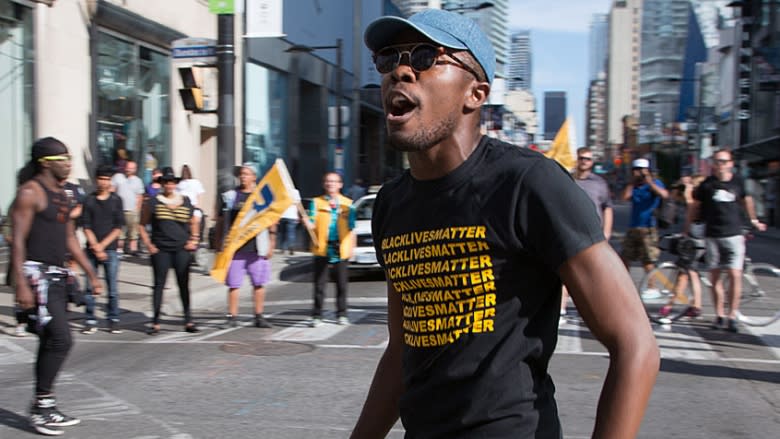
[
  {"x": 331, "y": 220},
  {"x": 174, "y": 235},
  {"x": 475, "y": 239},
  {"x": 130, "y": 189},
  {"x": 192, "y": 188},
  {"x": 288, "y": 224},
  {"x": 645, "y": 192},
  {"x": 20, "y": 330},
  {"x": 42, "y": 235},
  {"x": 252, "y": 258},
  {"x": 102, "y": 220},
  {"x": 717, "y": 203},
  {"x": 154, "y": 188},
  {"x": 357, "y": 189},
  {"x": 598, "y": 192}
]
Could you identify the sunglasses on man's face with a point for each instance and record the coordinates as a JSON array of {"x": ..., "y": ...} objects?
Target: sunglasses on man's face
[
  {"x": 585, "y": 159},
  {"x": 421, "y": 56},
  {"x": 722, "y": 161}
]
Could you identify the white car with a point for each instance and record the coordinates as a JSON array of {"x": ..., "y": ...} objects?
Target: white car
[{"x": 364, "y": 256}]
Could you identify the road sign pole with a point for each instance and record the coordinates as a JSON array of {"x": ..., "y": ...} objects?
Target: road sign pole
[{"x": 226, "y": 128}]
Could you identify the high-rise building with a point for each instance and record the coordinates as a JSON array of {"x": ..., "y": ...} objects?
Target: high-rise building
[
  {"x": 596, "y": 117},
  {"x": 554, "y": 112},
  {"x": 519, "y": 76},
  {"x": 625, "y": 40},
  {"x": 599, "y": 45}
]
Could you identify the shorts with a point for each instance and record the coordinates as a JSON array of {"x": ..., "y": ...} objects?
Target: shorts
[
  {"x": 726, "y": 253},
  {"x": 130, "y": 231},
  {"x": 257, "y": 267},
  {"x": 641, "y": 244}
]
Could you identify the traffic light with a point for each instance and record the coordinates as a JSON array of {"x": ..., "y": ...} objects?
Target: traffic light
[{"x": 192, "y": 93}]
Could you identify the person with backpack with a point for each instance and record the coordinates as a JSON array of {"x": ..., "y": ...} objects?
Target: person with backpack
[{"x": 645, "y": 192}]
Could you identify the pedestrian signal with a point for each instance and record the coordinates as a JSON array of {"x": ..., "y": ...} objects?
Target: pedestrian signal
[{"x": 192, "y": 93}]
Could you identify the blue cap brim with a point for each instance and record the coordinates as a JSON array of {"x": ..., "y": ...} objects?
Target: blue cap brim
[{"x": 381, "y": 33}]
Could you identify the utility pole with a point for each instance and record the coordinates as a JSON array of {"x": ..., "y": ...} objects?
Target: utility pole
[{"x": 226, "y": 126}]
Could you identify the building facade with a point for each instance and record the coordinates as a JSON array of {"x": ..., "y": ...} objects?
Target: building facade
[
  {"x": 520, "y": 55},
  {"x": 554, "y": 112},
  {"x": 625, "y": 41},
  {"x": 598, "y": 45}
]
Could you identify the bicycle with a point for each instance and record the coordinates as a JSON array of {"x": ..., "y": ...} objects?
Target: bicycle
[{"x": 667, "y": 297}]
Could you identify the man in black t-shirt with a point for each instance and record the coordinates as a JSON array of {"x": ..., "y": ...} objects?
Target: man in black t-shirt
[
  {"x": 716, "y": 202},
  {"x": 103, "y": 219},
  {"x": 476, "y": 239}
]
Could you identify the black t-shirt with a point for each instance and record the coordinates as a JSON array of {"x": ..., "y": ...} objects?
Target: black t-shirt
[
  {"x": 103, "y": 216},
  {"x": 720, "y": 208},
  {"x": 170, "y": 226},
  {"x": 474, "y": 256}
]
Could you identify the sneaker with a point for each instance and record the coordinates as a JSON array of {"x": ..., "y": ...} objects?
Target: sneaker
[
  {"x": 343, "y": 320},
  {"x": 89, "y": 329},
  {"x": 717, "y": 323},
  {"x": 315, "y": 322},
  {"x": 113, "y": 328},
  {"x": 261, "y": 322},
  {"x": 20, "y": 331},
  {"x": 692, "y": 312},
  {"x": 651, "y": 293},
  {"x": 230, "y": 322},
  {"x": 732, "y": 326},
  {"x": 38, "y": 423},
  {"x": 44, "y": 415},
  {"x": 665, "y": 310}
]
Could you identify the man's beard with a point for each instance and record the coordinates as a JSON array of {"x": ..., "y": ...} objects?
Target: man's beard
[{"x": 425, "y": 138}]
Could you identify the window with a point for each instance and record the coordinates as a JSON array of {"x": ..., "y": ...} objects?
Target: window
[
  {"x": 266, "y": 116},
  {"x": 133, "y": 119}
]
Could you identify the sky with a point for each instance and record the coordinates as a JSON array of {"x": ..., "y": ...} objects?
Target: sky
[{"x": 559, "y": 44}]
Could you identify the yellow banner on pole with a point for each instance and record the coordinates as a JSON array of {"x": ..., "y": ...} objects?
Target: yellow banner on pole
[
  {"x": 561, "y": 150},
  {"x": 263, "y": 208}
]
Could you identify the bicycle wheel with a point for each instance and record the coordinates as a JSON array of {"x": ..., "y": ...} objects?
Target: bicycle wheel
[
  {"x": 760, "y": 294},
  {"x": 666, "y": 293}
]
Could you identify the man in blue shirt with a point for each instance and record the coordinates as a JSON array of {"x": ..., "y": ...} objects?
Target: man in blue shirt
[{"x": 645, "y": 193}]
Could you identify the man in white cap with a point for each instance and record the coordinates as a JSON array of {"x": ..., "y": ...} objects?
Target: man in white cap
[
  {"x": 475, "y": 239},
  {"x": 645, "y": 193}
]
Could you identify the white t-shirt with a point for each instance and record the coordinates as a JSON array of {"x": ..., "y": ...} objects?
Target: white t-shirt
[
  {"x": 128, "y": 189},
  {"x": 292, "y": 211},
  {"x": 192, "y": 188}
]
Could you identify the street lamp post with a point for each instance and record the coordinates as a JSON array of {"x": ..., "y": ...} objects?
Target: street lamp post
[{"x": 339, "y": 78}]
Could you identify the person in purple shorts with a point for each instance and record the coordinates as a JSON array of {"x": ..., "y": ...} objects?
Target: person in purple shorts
[{"x": 253, "y": 257}]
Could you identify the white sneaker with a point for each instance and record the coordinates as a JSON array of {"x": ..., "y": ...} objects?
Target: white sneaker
[
  {"x": 651, "y": 293},
  {"x": 343, "y": 320},
  {"x": 315, "y": 322},
  {"x": 20, "y": 331}
]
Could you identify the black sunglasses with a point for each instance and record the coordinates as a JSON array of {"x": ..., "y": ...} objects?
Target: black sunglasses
[
  {"x": 422, "y": 57},
  {"x": 587, "y": 159}
]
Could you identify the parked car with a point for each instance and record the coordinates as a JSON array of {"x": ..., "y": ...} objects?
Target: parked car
[{"x": 364, "y": 256}]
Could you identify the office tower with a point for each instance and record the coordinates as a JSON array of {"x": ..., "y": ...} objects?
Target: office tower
[
  {"x": 596, "y": 115},
  {"x": 554, "y": 112},
  {"x": 599, "y": 44},
  {"x": 519, "y": 76},
  {"x": 625, "y": 40}
]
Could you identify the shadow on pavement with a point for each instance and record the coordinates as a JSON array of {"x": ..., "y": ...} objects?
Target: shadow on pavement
[
  {"x": 718, "y": 371},
  {"x": 14, "y": 420}
]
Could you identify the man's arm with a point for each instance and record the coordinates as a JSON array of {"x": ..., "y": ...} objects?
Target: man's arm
[
  {"x": 607, "y": 217},
  {"x": 747, "y": 203},
  {"x": 22, "y": 214},
  {"x": 608, "y": 302},
  {"x": 654, "y": 186},
  {"x": 691, "y": 213},
  {"x": 380, "y": 411},
  {"x": 146, "y": 216},
  {"x": 626, "y": 196},
  {"x": 78, "y": 255}
]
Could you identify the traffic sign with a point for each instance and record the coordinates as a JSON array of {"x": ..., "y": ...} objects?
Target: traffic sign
[{"x": 194, "y": 51}]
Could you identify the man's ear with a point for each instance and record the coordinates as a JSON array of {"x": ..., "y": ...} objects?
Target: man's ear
[{"x": 478, "y": 94}]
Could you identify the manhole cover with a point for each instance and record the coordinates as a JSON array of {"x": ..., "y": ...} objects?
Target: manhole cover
[{"x": 266, "y": 348}]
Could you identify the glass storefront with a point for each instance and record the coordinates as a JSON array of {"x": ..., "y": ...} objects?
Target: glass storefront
[
  {"x": 133, "y": 119},
  {"x": 16, "y": 94},
  {"x": 266, "y": 116}
]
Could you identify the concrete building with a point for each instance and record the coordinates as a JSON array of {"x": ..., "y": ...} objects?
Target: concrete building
[
  {"x": 595, "y": 119},
  {"x": 520, "y": 56},
  {"x": 554, "y": 112},
  {"x": 625, "y": 41},
  {"x": 522, "y": 103}
]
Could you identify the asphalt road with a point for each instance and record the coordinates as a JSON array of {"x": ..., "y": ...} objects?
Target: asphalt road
[{"x": 298, "y": 382}]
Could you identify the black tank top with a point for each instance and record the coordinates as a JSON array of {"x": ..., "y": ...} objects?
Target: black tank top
[{"x": 46, "y": 241}]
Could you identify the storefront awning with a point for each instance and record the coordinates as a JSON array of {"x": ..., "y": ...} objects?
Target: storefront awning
[{"x": 765, "y": 149}]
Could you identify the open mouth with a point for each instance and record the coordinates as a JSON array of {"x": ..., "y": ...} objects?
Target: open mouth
[{"x": 399, "y": 105}]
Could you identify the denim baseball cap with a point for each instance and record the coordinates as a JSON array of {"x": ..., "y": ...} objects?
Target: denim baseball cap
[{"x": 445, "y": 28}]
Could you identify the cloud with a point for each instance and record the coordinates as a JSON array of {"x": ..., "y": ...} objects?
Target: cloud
[{"x": 561, "y": 15}]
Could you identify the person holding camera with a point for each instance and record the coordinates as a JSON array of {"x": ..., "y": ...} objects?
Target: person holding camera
[{"x": 645, "y": 193}]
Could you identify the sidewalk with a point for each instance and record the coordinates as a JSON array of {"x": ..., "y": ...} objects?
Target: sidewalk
[{"x": 135, "y": 288}]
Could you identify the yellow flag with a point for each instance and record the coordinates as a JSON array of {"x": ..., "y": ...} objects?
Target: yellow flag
[
  {"x": 560, "y": 150},
  {"x": 264, "y": 207}
]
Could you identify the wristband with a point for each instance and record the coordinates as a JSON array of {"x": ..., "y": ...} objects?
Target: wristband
[{"x": 754, "y": 220}]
